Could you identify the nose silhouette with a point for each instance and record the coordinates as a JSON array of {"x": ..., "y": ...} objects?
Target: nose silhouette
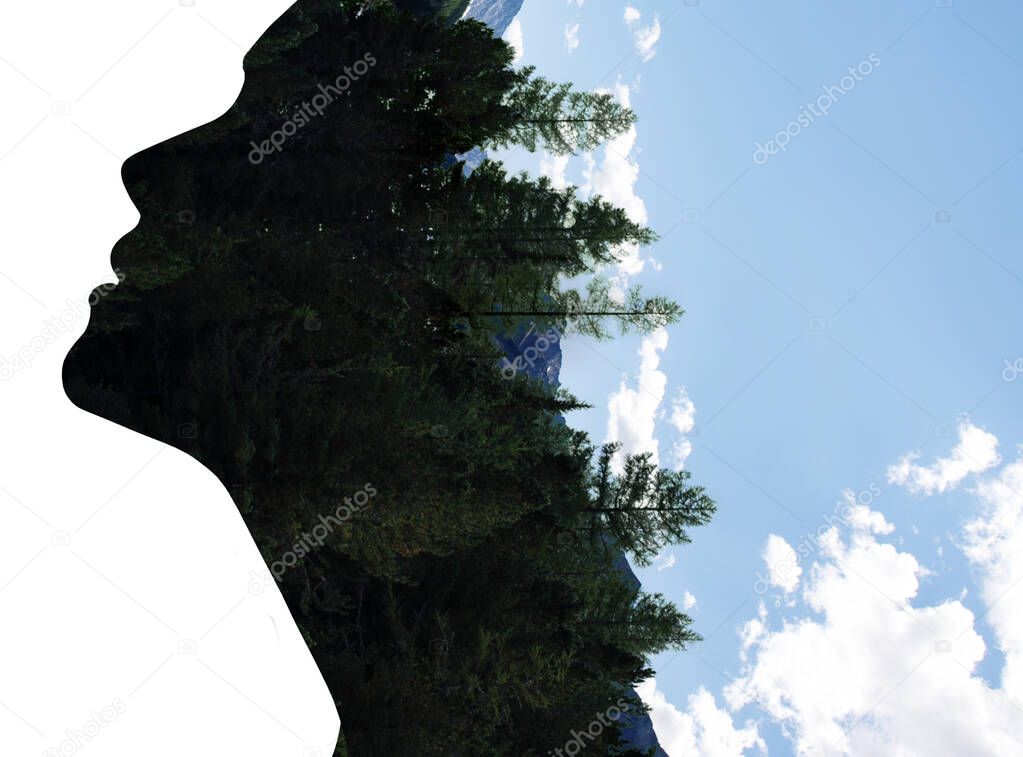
[{"x": 126, "y": 570}]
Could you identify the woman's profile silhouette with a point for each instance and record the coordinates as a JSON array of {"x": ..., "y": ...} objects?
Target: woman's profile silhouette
[{"x": 137, "y": 614}]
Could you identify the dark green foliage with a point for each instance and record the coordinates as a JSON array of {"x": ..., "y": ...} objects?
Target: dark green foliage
[
  {"x": 559, "y": 119},
  {"x": 646, "y": 508},
  {"x": 325, "y": 317}
]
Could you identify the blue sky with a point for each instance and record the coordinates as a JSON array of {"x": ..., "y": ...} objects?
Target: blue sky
[{"x": 853, "y": 326}]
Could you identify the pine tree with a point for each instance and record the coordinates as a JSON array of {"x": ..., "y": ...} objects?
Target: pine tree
[
  {"x": 646, "y": 508},
  {"x": 326, "y": 318},
  {"x": 560, "y": 119},
  {"x": 588, "y": 314}
]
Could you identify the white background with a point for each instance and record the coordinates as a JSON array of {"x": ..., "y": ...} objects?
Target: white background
[{"x": 136, "y": 614}]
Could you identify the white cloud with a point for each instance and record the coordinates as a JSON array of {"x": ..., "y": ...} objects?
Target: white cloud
[
  {"x": 614, "y": 178},
  {"x": 783, "y": 570},
  {"x": 752, "y": 631},
  {"x": 644, "y": 37},
  {"x": 876, "y": 675},
  {"x": 667, "y": 563},
  {"x": 688, "y": 600},
  {"x": 632, "y": 412},
  {"x": 869, "y": 669},
  {"x": 861, "y": 517},
  {"x": 703, "y": 729},
  {"x": 683, "y": 412},
  {"x": 683, "y": 420},
  {"x": 647, "y": 39},
  {"x": 554, "y": 168},
  {"x": 572, "y": 36},
  {"x": 630, "y": 263},
  {"x": 680, "y": 452},
  {"x": 993, "y": 542},
  {"x": 514, "y": 37},
  {"x": 976, "y": 451}
]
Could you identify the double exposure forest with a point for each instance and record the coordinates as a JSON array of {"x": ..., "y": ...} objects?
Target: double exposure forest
[{"x": 333, "y": 318}]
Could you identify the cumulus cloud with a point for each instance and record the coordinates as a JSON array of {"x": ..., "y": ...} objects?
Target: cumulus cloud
[
  {"x": 683, "y": 412},
  {"x": 868, "y": 668},
  {"x": 703, "y": 729},
  {"x": 860, "y": 517},
  {"x": 644, "y": 37},
  {"x": 554, "y": 168},
  {"x": 613, "y": 173},
  {"x": 514, "y": 37},
  {"x": 783, "y": 570},
  {"x": 572, "y": 36},
  {"x": 647, "y": 39},
  {"x": 975, "y": 452},
  {"x": 680, "y": 452},
  {"x": 874, "y": 674},
  {"x": 993, "y": 542},
  {"x": 752, "y": 631},
  {"x": 683, "y": 419},
  {"x": 688, "y": 600},
  {"x": 632, "y": 410}
]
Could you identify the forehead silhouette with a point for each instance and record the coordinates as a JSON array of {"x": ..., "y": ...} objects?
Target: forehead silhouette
[{"x": 85, "y": 85}]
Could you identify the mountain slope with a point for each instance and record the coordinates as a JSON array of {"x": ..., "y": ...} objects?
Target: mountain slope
[
  {"x": 498, "y": 14},
  {"x": 546, "y": 364}
]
